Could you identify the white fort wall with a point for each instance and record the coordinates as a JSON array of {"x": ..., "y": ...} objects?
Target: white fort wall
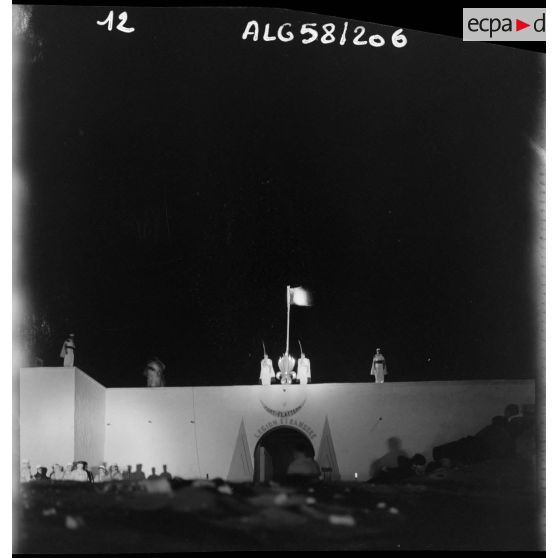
[
  {"x": 61, "y": 416},
  {"x": 214, "y": 430},
  {"x": 89, "y": 423},
  {"x": 156, "y": 426},
  {"x": 46, "y": 415}
]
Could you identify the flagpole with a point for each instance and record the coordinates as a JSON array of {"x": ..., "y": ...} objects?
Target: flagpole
[{"x": 288, "y": 316}]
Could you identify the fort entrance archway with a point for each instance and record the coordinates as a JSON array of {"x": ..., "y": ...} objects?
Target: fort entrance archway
[{"x": 274, "y": 453}]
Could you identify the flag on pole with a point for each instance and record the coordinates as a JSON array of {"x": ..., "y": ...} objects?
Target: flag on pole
[{"x": 300, "y": 297}]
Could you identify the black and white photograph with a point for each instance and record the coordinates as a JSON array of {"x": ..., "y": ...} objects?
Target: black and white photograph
[{"x": 278, "y": 279}]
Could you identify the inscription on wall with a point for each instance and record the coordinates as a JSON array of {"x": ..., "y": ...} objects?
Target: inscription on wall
[{"x": 301, "y": 425}]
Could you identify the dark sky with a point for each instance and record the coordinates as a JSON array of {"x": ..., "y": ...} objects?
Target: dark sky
[{"x": 177, "y": 178}]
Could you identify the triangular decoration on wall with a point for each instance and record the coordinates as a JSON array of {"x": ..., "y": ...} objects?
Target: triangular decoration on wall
[
  {"x": 326, "y": 454},
  {"x": 241, "y": 468}
]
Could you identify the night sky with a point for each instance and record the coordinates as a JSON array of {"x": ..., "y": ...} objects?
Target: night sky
[{"x": 176, "y": 179}]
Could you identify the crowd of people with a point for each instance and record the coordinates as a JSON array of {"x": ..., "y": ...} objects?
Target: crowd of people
[
  {"x": 79, "y": 471},
  {"x": 513, "y": 434},
  {"x": 510, "y": 435}
]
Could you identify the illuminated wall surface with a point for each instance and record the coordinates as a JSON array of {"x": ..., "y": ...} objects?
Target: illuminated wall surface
[
  {"x": 214, "y": 430},
  {"x": 46, "y": 415},
  {"x": 89, "y": 425}
]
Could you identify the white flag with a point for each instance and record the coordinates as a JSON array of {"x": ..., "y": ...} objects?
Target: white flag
[{"x": 300, "y": 297}]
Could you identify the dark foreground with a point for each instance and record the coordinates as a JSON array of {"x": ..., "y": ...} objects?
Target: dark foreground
[{"x": 488, "y": 506}]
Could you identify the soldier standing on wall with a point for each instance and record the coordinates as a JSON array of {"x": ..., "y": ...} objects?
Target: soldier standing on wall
[
  {"x": 379, "y": 367},
  {"x": 303, "y": 367},
  {"x": 68, "y": 349},
  {"x": 266, "y": 371},
  {"x": 267, "y": 374},
  {"x": 154, "y": 372}
]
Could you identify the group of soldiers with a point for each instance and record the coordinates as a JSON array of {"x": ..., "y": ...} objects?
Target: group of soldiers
[
  {"x": 286, "y": 373},
  {"x": 154, "y": 369},
  {"x": 302, "y": 375}
]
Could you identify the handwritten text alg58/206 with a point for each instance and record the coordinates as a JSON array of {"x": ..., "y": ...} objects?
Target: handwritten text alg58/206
[{"x": 326, "y": 34}]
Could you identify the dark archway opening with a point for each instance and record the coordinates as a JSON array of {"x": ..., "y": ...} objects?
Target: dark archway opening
[{"x": 274, "y": 452}]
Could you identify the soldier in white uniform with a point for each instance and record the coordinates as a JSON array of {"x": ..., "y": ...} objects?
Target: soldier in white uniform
[
  {"x": 303, "y": 369},
  {"x": 266, "y": 371},
  {"x": 379, "y": 367},
  {"x": 67, "y": 352}
]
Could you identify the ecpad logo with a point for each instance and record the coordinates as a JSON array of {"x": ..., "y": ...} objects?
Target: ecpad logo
[
  {"x": 493, "y": 25},
  {"x": 504, "y": 24}
]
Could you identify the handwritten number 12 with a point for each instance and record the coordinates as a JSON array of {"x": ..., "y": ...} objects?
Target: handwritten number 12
[{"x": 123, "y": 17}]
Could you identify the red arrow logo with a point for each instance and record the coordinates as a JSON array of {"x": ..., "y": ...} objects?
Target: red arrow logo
[{"x": 519, "y": 25}]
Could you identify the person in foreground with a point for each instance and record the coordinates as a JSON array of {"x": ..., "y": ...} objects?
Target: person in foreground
[{"x": 303, "y": 468}]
